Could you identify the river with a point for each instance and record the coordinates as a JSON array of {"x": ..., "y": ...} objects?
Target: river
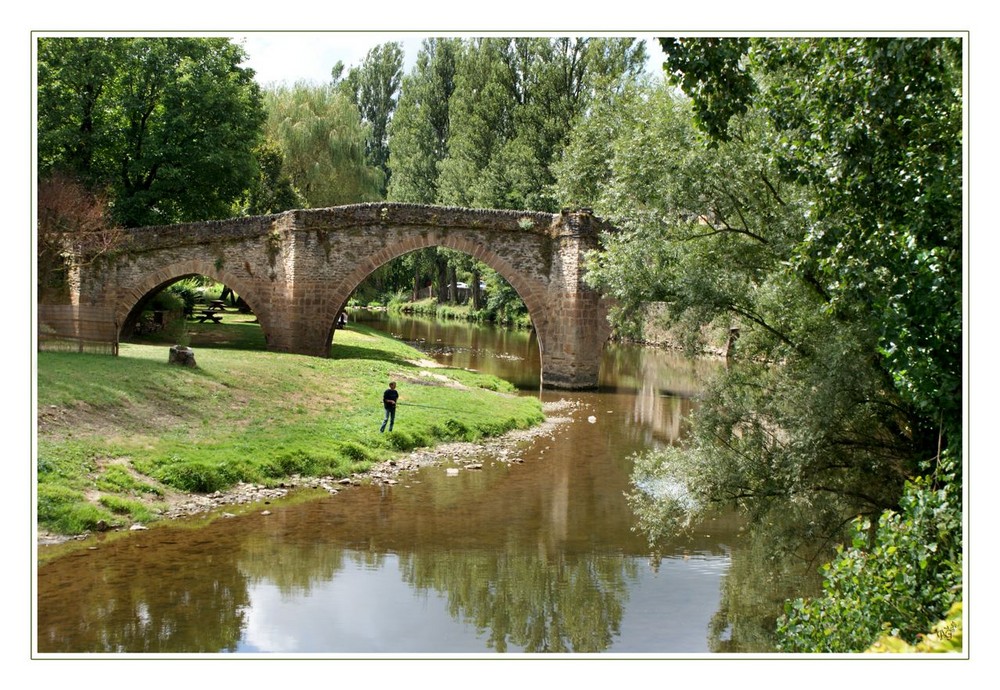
[{"x": 533, "y": 553}]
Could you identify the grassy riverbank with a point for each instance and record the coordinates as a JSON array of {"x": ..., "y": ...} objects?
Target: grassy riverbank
[{"x": 118, "y": 435}]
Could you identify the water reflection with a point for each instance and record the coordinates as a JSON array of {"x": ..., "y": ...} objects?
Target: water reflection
[
  {"x": 535, "y": 552},
  {"x": 485, "y": 561}
]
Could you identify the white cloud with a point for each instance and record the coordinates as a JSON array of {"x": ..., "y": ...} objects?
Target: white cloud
[{"x": 292, "y": 56}]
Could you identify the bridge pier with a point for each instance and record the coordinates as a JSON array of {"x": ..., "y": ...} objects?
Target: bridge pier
[{"x": 572, "y": 341}]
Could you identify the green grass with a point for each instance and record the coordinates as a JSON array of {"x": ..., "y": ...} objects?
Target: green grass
[{"x": 117, "y": 434}]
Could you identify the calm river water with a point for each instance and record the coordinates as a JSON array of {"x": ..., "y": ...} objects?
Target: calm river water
[{"x": 532, "y": 556}]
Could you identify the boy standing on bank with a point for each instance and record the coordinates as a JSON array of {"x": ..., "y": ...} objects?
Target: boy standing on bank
[{"x": 389, "y": 399}]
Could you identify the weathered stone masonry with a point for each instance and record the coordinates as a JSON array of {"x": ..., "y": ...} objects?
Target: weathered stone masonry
[{"x": 297, "y": 270}]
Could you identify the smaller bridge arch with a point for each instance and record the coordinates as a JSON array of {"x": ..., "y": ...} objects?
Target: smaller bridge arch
[
  {"x": 297, "y": 270},
  {"x": 131, "y": 302}
]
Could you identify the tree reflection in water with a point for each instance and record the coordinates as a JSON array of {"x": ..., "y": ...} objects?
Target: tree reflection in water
[{"x": 536, "y": 603}]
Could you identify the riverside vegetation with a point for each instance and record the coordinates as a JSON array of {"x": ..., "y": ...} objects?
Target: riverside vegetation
[{"x": 118, "y": 435}]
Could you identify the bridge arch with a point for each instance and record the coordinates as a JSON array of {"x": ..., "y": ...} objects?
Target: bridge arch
[
  {"x": 529, "y": 291},
  {"x": 131, "y": 301}
]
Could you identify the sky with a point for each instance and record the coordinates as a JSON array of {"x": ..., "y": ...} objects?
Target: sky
[{"x": 292, "y": 56}]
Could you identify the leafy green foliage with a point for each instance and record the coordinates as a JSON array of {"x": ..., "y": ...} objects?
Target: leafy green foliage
[
  {"x": 514, "y": 104},
  {"x": 883, "y": 155},
  {"x": 374, "y": 88},
  {"x": 898, "y": 581},
  {"x": 169, "y": 125},
  {"x": 809, "y": 195},
  {"x": 419, "y": 130},
  {"x": 945, "y": 636},
  {"x": 729, "y": 232},
  {"x": 712, "y": 71},
  {"x": 273, "y": 190},
  {"x": 872, "y": 130}
]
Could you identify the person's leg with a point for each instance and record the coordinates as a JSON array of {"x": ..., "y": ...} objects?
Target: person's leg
[
  {"x": 385, "y": 420},
  {"x": 392, "y": 417}
]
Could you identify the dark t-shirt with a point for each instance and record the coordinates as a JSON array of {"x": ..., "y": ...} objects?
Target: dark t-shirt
[{"x": 390, "y": 397}]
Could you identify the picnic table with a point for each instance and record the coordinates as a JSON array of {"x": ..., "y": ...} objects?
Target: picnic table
[{"x": 213, "y": 312}]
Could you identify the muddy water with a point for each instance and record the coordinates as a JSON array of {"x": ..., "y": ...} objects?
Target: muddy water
[{"x": 534, "y": 552}]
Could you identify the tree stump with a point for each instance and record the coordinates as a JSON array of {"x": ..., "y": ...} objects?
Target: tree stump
[{"x": 182, "y": 355}]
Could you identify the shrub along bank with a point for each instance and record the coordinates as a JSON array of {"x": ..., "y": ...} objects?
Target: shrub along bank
[{"x": 116, "y": 435}]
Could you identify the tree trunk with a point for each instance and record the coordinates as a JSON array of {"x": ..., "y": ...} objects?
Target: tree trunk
[
  {"x": 452, "y": 284},
  {"x": 477, "y": 295},
  {"x": 442, "y": 279}
]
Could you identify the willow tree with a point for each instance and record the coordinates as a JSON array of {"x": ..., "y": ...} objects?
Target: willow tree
[
  {"x": 817, "y": 207},
  {"x": 322, "y": 142},
  {"x": 809, "y": 193}
]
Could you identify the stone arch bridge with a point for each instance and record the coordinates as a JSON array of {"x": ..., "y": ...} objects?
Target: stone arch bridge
[{"x": 297, "y": 270}]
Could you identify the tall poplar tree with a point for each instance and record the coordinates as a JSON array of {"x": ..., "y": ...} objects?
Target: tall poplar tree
[
  {"x": 516, "y": 101},
  {"x": 374, "y": 88},
  {"x": 419, "y": 131}
]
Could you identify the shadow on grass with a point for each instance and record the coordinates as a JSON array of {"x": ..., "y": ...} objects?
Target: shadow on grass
[
  {"x": 359, "y": 352},
  {"x": 249, "y": 336},
  {"x": 227, "y": 336}
]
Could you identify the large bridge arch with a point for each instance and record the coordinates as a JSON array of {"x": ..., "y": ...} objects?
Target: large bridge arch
[
  {"x": 297, "y": 270},
  {"x": 530, "y": 292}
]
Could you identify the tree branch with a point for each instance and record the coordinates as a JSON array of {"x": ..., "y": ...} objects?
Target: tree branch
[
  {"x": 774, "y": 192},
  {"x": 766, "y": 326}
]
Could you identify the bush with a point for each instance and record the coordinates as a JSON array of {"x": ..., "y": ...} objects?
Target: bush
[
  {"x": 945, "y": 636},
  {"x": 398, "y": 299},
  {"x": 457, "y": 429},
  {"x": 355, "y": 452},
  {"x": 898, "y": 582},
  {"x": 197, "y": 477}
]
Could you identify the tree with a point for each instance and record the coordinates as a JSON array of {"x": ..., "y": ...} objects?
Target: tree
[
  {"x": 896, "y": 578},
  {"x": 167, "y": 125},
  {"x": 737, "y": 231},
  {"x": 873, "y": 128},
  {"x": 515, "y": 102},
  {"x": 322, "y": 142},
  {"x": 273, "y": 191},
  {"x": 481, "y": 123},
  {"x": 374, "y": 89},
  {"x": 72, "y": 222},
  {"x": 419, "y": 131}
]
